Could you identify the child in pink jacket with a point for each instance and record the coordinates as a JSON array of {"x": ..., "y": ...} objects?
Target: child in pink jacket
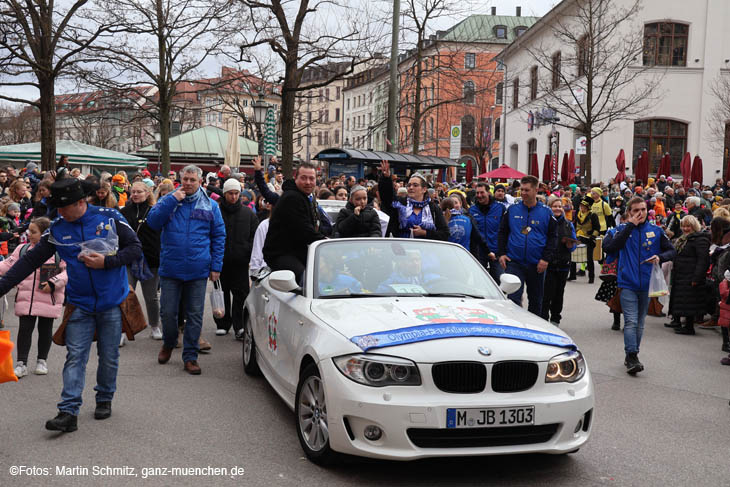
[{"x": 40, "y": 296}]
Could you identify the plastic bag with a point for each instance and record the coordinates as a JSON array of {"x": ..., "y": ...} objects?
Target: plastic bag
[
  {"x": 216, "y": 300},
  {"x": 657, "y": 284},
  {"x": 106, "y": 245}
]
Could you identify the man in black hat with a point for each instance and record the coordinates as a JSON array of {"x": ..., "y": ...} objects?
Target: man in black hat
[{"x": 97, "y": 285}]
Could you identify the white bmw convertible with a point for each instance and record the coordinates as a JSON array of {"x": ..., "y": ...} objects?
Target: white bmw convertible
[{"x": 403, "y": 349}]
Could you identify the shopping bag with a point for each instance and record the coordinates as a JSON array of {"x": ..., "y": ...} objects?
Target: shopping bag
[
  {"x": 216, "y": 300},
  {"x": 7, "y": 373},
  {"x": 657, "y": 284}
]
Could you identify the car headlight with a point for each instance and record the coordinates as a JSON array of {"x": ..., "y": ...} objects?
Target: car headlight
[
  {"x": 566, "y": 367},
  {"x": 378, "y": 370}
]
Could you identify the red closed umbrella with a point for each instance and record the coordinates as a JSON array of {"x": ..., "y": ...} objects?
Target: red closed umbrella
[
  {"x": 534, "y": 169},
  {"x": 469, "y": 171},
  {"x": 642, "y": 167},
  {"x": 726, "y": 174},
  {"x": 697, "y": 170},
  {"x": 440, "y": 175},
  {"x": 547, "y": 169},
  {"x": 565, "y": 171},
  {"x": 665, "y": 166},
  {"x": 503, "y": 172},
  {"x": 571, "y": 167},
  {"x": 621, "y": 166},
  {"x": 686, "y": 169}
]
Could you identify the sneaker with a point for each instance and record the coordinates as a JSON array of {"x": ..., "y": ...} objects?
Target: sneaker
[
  {"x": 40, "y": 367},
  {"x": 62, "y": 422},
  {"x": 156, "y": 333},
  {"x": 708, "y": 325},
  {"x": 21, "y": 370},
  {"x": 123, "y": 340},
  {"x": 240, "y": 333},
  {"x": 220, "y": 332}
]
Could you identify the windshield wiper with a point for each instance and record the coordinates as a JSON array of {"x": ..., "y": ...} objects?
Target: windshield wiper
[
  {"x": 454, "y": 295},
  {"x": 356, "y": 295}
]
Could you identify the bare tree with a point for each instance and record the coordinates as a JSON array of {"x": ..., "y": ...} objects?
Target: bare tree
[
  {"x": 302, "y": 35},
  {"x": 18, "y": 124},
  {"x": 719, "y": 118},
  {"x": 39, "y": 42},
  {"x": 164, "y": 43},
  {"x": 594, "y": 79}
]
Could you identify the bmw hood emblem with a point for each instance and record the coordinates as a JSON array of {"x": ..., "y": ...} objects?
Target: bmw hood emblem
[{"x": 484, "y": 351}]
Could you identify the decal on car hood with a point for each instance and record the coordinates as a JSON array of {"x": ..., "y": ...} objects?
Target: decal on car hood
[{"x": 435, "y": 331}]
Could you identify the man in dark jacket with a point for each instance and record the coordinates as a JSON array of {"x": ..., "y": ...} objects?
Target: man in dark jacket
[
  {"x": 241, "y": 224},
  {"x": 294, "y": 223},
  {"x": 357, "y": 219},
  {"x": 488, "y": 213}
]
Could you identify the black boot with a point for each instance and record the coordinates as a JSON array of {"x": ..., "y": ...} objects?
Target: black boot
[
  {"x": 616, "y": 321},
  {"x": 103, "y": 410},
  {"x": 633, "y": 366},
  {"x": 725, "y": 339},
  {"x": 688, "y": 328},
  {"x": 62, "y": 422}
]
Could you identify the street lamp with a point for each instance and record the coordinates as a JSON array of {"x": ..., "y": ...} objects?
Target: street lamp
[{"x": 260, "y": 107}]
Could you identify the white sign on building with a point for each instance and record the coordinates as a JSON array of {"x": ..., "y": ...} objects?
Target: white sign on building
[
  {"x": 455, "y": 142},
  {"x": 580, "y": 146}
]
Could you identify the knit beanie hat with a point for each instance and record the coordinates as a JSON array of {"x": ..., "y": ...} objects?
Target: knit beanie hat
[{"x": 231, "y": 185}]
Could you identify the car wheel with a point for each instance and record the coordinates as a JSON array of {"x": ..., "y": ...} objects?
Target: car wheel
[
  {"x": 250, "y": 366},
  {"x": 311, "y": 417}
]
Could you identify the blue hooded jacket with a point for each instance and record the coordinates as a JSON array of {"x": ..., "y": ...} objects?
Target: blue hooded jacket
[
  {"x": 539, "y": 240},
  {"x": 634, "y": 245},
  {"x": 193, "y": 236},
  {"x": 488, "y": 220}
]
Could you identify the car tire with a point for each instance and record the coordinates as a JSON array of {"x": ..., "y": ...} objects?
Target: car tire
[
  {"x": 310, "y": 416},
  {"x": 250, "y": 365}
]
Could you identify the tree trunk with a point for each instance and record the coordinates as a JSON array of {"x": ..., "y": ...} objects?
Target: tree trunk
[
  {"x": 417, "y": 101},
  {"x": 48, "y": 122},
  {"x": 288, "y": 99},
  {"x": 589, "y": 150},
  {"x": 164, "y": 105}
]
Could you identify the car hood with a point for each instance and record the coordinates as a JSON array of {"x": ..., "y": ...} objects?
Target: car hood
[{"x": 364, "y": 316}]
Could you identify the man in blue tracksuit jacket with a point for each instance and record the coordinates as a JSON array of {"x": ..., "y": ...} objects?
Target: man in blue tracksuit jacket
[
  {"x": 97, "y": 285},
  {"x": 192, "y": 243},
  {"x": 487, "y": 213},
  {"x": 527, "y": 241},
  {"x": 639, "y": 245}
]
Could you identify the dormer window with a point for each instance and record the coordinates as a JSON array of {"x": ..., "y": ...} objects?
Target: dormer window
[
  {"x": 520, "y": 30},
  {"x": 500, "y": 32}
]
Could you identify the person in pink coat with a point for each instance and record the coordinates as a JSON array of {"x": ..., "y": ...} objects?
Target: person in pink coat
[{"x": 40, "y": 296}]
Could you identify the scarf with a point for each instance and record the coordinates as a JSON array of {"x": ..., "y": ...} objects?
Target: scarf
[
  {"x": 202, "y": 208},
  {"x": 680, "y": 242},
  {"x": 405, "y": 212}
]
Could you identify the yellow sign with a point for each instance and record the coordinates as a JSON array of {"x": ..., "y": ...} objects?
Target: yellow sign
[{"x": 455, "y": 131}]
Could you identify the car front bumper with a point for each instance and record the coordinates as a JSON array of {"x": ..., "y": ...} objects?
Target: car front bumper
[{"x": 563, "y": 417}]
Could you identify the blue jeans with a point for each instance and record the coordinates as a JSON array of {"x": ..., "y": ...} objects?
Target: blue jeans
[
  {"x": 635, "y": 305},
  {"x": 495, "y": 270},
  {"x": 535, "y": 286},
  {"x": 192, "y": 294},
  {"x": 79, "y": 334}
]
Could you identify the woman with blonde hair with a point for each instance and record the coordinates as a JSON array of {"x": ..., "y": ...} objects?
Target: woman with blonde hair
[
  {"x": 164, "y": 188},
  {"x": 103, "y": 196},
  {"x": 19, "y": 194}
]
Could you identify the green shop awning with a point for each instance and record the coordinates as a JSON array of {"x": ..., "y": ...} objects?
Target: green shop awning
[{"x": 77, "y": 153}]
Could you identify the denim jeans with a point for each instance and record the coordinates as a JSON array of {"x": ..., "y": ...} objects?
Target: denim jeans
[
  {"x": 192, "y": 294},
  {"x": 635, "y": 305},
  {"x": 79, "y": 334},
  {"x": 495, "y": 270},
  {"x": 535, "y": 286}
]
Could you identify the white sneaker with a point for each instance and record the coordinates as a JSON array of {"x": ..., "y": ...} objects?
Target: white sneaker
[
  {"x": 156, "y": 333},
  {"x": 221, "y": 332},
  {"x": 21, "y": 370},
  {"x": 40, "y": 367},
  {"x": 123, "y": 340}
]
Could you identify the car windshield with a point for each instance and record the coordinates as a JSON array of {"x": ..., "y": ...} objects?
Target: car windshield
[{"x": 386, "y": 267}]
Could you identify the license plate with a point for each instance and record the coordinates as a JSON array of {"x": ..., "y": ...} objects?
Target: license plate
[{"x": 489, "y": 417}]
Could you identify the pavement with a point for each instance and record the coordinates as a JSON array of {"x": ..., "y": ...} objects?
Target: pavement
[{"x": 670, "y": 426}]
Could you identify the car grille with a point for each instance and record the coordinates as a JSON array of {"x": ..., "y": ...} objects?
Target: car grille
[
  {"x": 481, "y": 437},
  {"x": 460, "y": 377},
  {"x": 513, "y": 376}
]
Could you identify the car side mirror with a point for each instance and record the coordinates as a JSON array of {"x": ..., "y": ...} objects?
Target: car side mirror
[
  {"x": 284, "y": 281},
  {"x": 509, "y": 283}
]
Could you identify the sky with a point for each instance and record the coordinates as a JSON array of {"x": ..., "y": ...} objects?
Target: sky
[{"x": 536, "y": 8}]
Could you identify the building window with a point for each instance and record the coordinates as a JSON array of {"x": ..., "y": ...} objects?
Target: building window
[
  {"x": 531, "y": 149},
  {"x": 520, "y": 30},
  {"x": 658, "y": 137},
  {"x": 533, "y": 83},
  {"x": 469, "y": 92},
  {"x": 499, "y": 93},
  {"x": 337, "y": 114},
  {"x": 337, "y": 136},
  {"x": 497, "y": 127},
  {"x": 348, "y": 103},
  {"x": 500, "y": 32},
  {"x": 337, "y": 93},
  {"x": 319, "y": 138},
  {"x": 470, "y": 60},
  {"x": 556, "y": 70},
  {"x": 467, "y": 131},
  {"x": 665, "y": 44},
  {"x": 583, "y": 46},
  {"x": 327, "y": 94},
  {"x": 430, "y": 121},
  {"x": 347, "y": 124},
  {"x": 326, "y": 138},
  {"x": 516, "y": 93},
  {"x": 319, "y": 97}
]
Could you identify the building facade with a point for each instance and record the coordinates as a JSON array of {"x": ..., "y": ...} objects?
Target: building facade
[{"x": 684, "y": 49}]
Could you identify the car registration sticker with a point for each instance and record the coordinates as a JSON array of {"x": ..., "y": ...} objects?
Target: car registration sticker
[{"x": 489, "y": 417}]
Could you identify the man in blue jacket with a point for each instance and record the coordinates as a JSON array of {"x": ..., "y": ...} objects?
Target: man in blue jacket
[
  {"x": 192, "y": 242},
  {"x": 97, "y": 285},
  {"x": 487, "y": 213},
  {"x": 639, "y": 245},
  {"x": 527, "y": 242}
]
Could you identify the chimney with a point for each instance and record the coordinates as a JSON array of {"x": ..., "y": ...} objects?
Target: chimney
[
  {"x": 519, "y": 11},
  {"x": 494, "y": 10}
]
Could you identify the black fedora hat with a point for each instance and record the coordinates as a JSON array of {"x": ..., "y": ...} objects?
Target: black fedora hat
[{"x": 66, "y": 192}]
